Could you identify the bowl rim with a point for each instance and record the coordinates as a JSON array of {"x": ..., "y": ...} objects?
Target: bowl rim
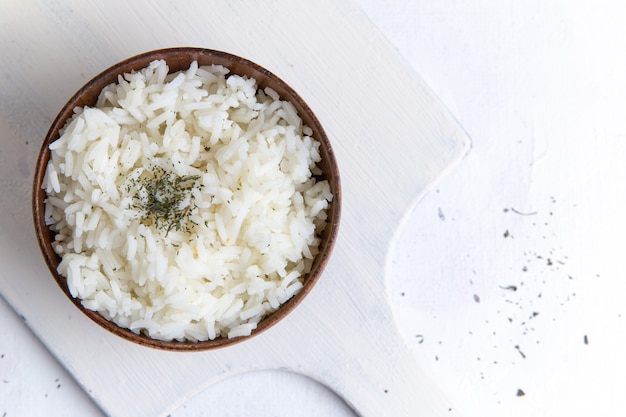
[{"x": 190, "y": 53}]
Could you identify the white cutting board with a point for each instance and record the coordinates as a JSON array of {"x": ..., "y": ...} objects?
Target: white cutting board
[{"x": 392, "y": 138}]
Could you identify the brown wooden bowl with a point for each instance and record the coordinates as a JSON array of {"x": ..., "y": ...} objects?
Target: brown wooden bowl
[{"x": 180, "y": 59}]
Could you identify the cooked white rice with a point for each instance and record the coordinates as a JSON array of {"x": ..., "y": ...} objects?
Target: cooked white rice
[{"x": 252, "y": 207}]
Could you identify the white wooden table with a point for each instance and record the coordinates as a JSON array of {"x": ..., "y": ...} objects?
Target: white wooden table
[{"x": 506, "y": 279}]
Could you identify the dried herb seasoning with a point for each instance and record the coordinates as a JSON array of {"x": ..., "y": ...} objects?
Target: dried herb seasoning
[{"x": 165, "y": 199}]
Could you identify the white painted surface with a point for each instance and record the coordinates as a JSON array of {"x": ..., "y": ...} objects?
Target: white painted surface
[{"x": 541, "y": 89}]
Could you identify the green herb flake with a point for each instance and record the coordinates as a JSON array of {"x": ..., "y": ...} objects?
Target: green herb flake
[{"x": 165, "y": 199}]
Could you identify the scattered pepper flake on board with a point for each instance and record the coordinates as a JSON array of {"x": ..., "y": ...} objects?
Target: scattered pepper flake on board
[
  {"x": 521, "y": 213},
  {"x": 520, "y": 393},
  {"x": 586, "y": 340}
]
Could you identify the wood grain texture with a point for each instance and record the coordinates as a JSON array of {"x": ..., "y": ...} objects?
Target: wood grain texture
[{"x": 392, "y": 139}]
